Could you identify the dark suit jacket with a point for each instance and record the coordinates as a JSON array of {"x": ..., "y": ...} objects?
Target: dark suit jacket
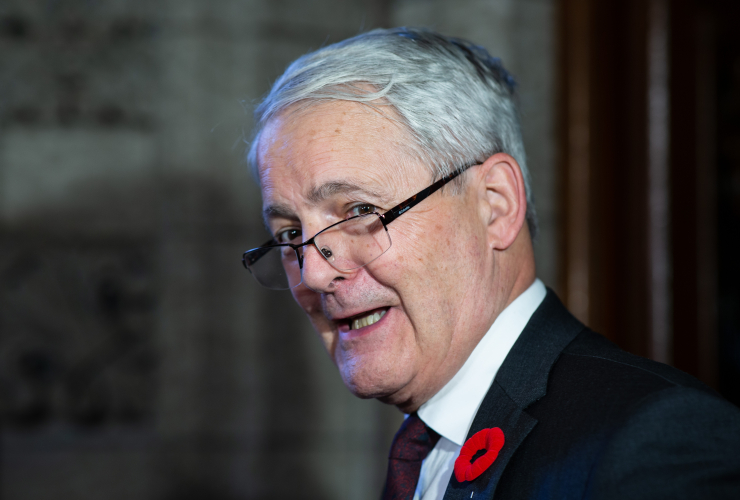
[{"x": 583, "y": 419}]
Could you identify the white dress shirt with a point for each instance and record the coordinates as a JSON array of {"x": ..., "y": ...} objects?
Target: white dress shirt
[{"x": 451, "y": 411}]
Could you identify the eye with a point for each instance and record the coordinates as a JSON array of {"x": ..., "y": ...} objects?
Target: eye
[
  {"x": 291, "y": 235},
  {"x": 361, "y": 209}
]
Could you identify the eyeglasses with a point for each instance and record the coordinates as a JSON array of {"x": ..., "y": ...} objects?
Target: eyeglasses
[{"x": 347, "y": 245}]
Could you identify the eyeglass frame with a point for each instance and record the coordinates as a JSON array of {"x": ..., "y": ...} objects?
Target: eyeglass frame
[{"x": 385, "y": 219}]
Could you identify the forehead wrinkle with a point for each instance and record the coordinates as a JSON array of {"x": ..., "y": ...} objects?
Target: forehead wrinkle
[{"x": 324, "y": 191}]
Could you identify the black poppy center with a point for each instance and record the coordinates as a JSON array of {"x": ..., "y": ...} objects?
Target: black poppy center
[{"x": 478, "y": 454}]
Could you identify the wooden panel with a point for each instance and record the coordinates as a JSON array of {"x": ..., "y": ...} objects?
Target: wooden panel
[
  {"x": 604, "y": 167},
  {"x": 639, "y": 192},
  {"x": 575, "y": 113}
]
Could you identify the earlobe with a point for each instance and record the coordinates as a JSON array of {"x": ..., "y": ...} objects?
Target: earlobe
[{"x": 503, "y": 200}]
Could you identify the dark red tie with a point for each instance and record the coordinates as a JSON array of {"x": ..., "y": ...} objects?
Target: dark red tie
[{"x": 413, "y": 442}]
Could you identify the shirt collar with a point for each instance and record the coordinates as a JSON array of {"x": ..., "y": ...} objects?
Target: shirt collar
[{"x": 450, "y": 412}]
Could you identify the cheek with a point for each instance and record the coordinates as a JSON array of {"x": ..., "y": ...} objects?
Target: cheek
[
  {"x": 417, "y": 272},
  {"x": 434, "y": 264},
  {"x": 435, "y": 249}
]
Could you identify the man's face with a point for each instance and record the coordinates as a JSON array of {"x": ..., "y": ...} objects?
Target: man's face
[{"x": 328, "y": 163}]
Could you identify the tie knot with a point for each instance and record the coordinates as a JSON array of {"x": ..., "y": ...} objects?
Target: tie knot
[{"x": 413, "y": 441}]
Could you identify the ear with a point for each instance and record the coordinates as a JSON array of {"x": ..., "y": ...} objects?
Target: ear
[{"x": 503, "y": 201}]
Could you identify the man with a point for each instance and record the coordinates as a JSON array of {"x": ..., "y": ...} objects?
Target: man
[{"x": 395, "y": 185}]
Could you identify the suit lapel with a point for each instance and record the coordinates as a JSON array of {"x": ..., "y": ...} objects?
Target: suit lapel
[
  {"x": 521, "y": 380},
  {"x": 497, "y": 407}
]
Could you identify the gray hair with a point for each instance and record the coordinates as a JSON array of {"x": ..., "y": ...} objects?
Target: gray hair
[{"x": 457, "y": 102}]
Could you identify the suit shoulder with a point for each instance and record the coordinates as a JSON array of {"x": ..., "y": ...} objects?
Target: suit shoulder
[
  {"x": 591, "y": 348},
  {"x": 662, "y": 421},
  {"x": 680, "y": 443},
  {"x": 606, "y": 385}
]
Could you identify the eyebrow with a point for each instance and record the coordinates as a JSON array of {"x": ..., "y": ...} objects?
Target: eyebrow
[
  {"x": 277, "y": 210},
  {"x": 317, "y": 195},
  {"x": 326, "y": 190}
]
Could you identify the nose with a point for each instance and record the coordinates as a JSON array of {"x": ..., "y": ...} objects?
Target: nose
[{"x": 317, "y": 273}]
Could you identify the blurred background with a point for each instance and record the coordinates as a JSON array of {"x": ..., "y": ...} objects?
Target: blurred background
[{"x": 138, "y": 360}]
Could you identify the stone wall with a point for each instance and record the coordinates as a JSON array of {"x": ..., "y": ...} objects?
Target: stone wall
[{"x": 137, "y": 360}]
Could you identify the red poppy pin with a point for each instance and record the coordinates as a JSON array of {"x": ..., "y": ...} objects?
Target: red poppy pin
[{"x": 489, "y": 441}]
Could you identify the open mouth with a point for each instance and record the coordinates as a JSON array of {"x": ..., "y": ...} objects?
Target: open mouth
[{"x": 366, "y": 319}]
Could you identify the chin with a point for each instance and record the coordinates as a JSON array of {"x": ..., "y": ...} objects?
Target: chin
[{"x": 371, "y": 382}]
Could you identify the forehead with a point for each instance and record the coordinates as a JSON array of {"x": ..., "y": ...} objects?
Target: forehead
[{"x": 303, "y": 151}]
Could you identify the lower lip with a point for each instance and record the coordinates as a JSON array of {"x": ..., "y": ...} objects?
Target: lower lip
[{"x": 347, "y": 334}]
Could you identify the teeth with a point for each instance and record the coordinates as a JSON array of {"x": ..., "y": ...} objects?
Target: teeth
[{"x": 367, "y": 320}]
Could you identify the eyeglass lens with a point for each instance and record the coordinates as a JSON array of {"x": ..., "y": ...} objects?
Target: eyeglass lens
[{"x": 347, "y": 246}]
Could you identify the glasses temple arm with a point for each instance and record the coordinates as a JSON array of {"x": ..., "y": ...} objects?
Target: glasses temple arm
[{"x": 402, "y": 207}]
